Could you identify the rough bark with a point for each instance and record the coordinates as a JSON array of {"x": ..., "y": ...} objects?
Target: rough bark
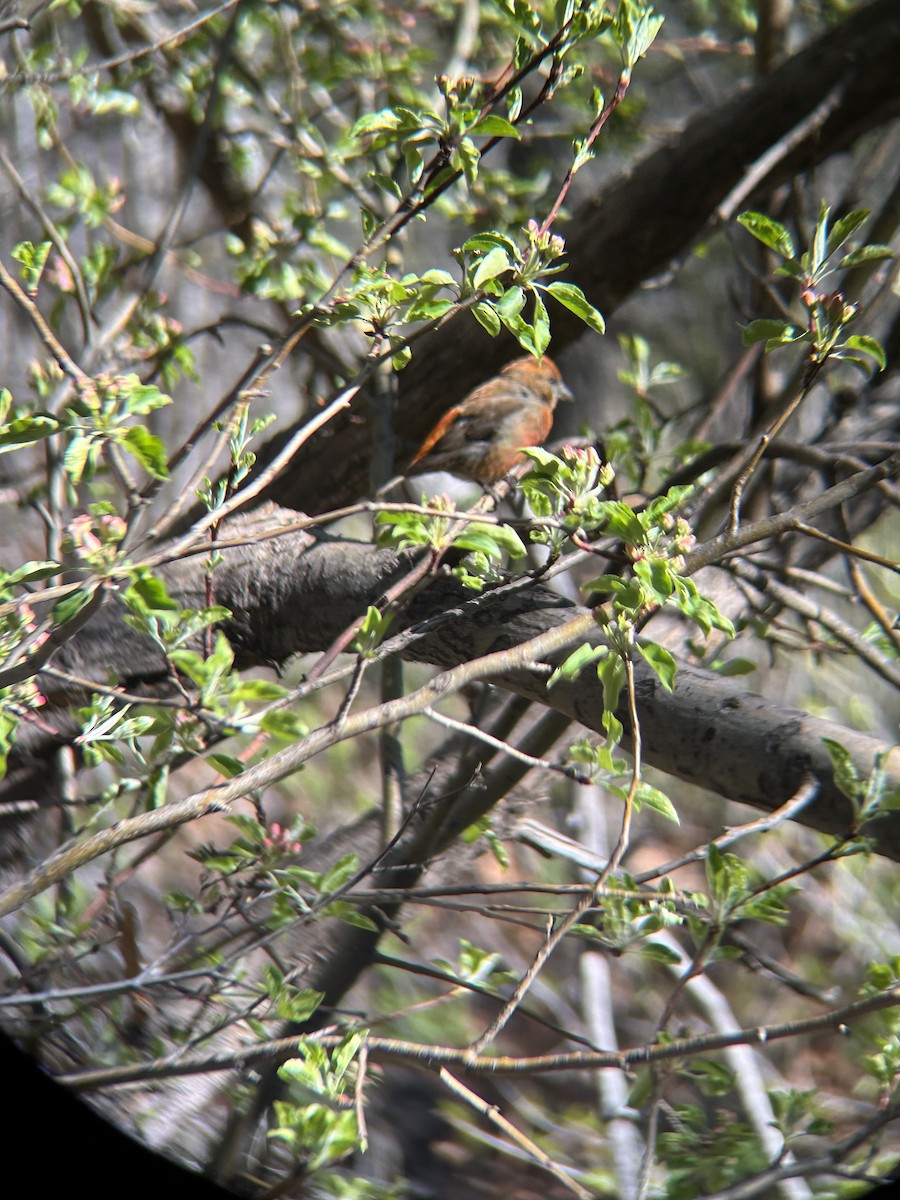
[{"x": 291, "y": 597}]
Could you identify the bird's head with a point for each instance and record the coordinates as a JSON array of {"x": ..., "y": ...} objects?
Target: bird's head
[{"x": 541, "y": 375}]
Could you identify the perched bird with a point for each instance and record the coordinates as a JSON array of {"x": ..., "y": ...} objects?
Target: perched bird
[{"x": 482, "y": 437}]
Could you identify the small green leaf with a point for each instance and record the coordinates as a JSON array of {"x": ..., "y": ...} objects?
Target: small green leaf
[
  {"x": 226, "y": 764},
  {"x": 76, "y": 457},
  {"x": 661, "y": 661},
  {"x": 611, "y": 673},
  {"x": 846, "y": 776},
  {"x": 658, "y": 952},
  {"x": 865, "y": 254},
  {"x": 657, "y": 800},
  {"x": 541, "y": 325},
  {"x": 33, "y": 259},
  {"x": 385, "y": 121},
  {"x": 504, "y": 537},
  {"x": 339, "y": 873},
  {"x": 842, "y": 229},
  {"x": 297, "y": 1005},
  {"x": 149, "y": 594},
  {"x": 386, "y": 184},
  {"x": 492, "y": 265},
  {"x": 283, "y": 723},
  {"x": 771, "y": 233},
  {"x": 773, "y": 333},
  {"x": 70, "y": 606},
  {"x": 466, "y": 158},
  {"x": 30, "y": 572},
  {"x": 511, "y": 303},
  {"x": 734, "y": 666},
  {"x": 573, "y": 298},
  {"x": 142, "y": 398},
  {"x": 496, "y": 126},
  {"x": 351, "y": 916},
  {"x": 258, "y": 689},
  {"x": 867, "y": 345},
  {"x": 148, "y": 449},
  {"x": 26, "y": 430},
  {"x": 486, "y": 317},
  {"x": 622, "y": 522},
  {"x": 575, "y": 663}
]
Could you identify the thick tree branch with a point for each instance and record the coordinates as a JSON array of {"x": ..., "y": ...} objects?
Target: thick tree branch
[{"x": 290, "y": 597}]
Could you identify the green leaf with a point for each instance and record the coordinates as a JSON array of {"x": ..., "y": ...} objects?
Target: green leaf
[
  {"x": 33, "y": 259},
  {"x": 466, "y": 157},
  {"x": 495, "y": 126},
  {"x": 338, "y": 874},
  {"x": 842, "y": 229},
  {"x": 283, "y": 723},
  {"x": 611, "y": 674},
  {"x": 76, "y": 457},
  {"x": 486, "y": 317},
  {"x": 8, "y": 723},
  {"x": 487, "y": 241},
  {"x": 70, "y": 606},
  {"x": 26, "y": 430},
  {"x": 297, "y": 1004},
  {"x": 226, "y": 764},
  {"x": 734, "y": 666},
  {"x": 871, "y": 253},
  {"x": 352, "y": 916},
  {"x": 656, "y": 573},
  {"x": 148, "y": 594},
  {"x": 142, "y": 398},
  {"x": 773, "y": 333},
  {"x": 574, "y": 299},
  {"x": 438, "y": 278},
  {"x": 30, "y": 572},
  {"x": 712, "y": 1078},
  {"x": 867, "y": 345},
  {"x": 259, "y": 689},
  {"x": 771, "y": 233},
  {"x": 492, "y": 265},
  {"x": 657, "y": 800},
  {"x": 511, "y": 303},
  {"x": 622, "y": 522},
  {"x": 661, "y": 661},
  {"x": 575, "y": 663},
  {"x": 148, "y": 449},
  {"x": 502, "y": 537},
  {"x": 541, "y": 325},
  {"x": 846, "y": 776},
  {"x": 658, "y": 952},
  {"x": 385, "y": 121},
  {"x": 386, "y": 184}
]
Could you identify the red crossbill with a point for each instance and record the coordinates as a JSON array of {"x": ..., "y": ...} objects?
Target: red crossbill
[{"x": 482, "y": 437}]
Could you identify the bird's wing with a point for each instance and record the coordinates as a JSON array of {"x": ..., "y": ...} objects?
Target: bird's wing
[
  {"x": 445, "y": 423},
  {"x": 471, "y": 423}
]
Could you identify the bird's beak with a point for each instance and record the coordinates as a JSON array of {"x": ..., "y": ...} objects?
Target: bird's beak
[{"x": 562, "y": 392}]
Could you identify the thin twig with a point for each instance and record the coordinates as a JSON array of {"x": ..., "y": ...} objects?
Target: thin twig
[
  {"x": 493, "y": 1114},
  {"x": 757, "y": 172},
  {"x": 542, "y": 764},
  {"x": 836, "y": 1021},
  {"x": 57, "y": 350}
]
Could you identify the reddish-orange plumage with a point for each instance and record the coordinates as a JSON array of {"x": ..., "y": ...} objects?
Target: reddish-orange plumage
[{"x": 482, "y": 437}]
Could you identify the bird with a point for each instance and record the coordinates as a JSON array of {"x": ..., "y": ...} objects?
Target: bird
[{"x": 482, "y": 437}]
